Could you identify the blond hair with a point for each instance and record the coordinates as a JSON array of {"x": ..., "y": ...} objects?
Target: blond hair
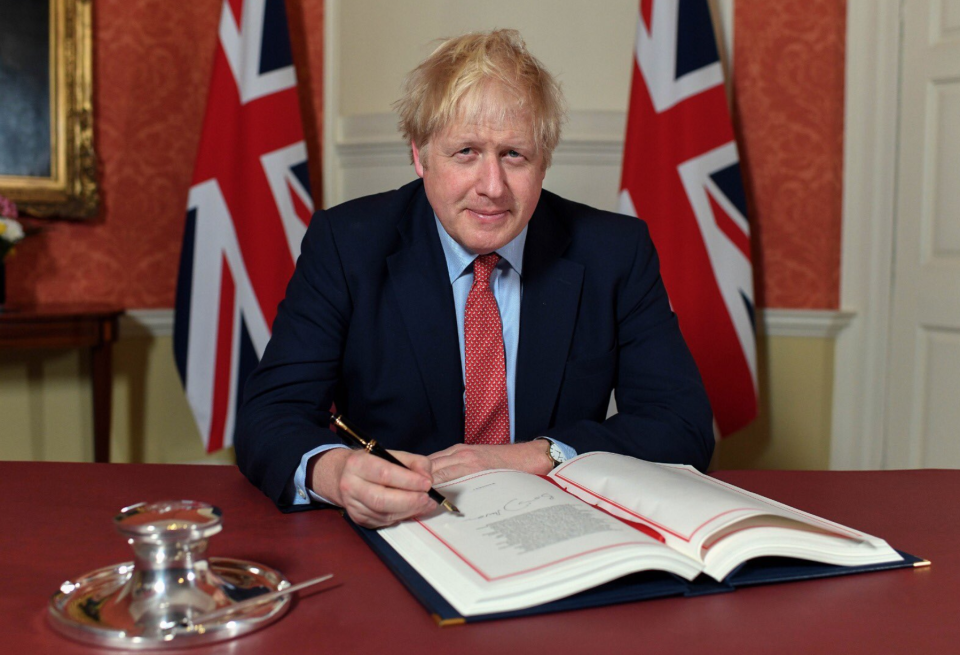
[{"x": 479, "y": 77}]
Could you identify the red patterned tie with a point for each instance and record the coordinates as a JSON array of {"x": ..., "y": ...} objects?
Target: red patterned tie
[{"x": 487, "y": 418}]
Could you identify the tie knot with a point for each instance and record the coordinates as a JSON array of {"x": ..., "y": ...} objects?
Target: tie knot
[{"x": 482, "y": 267}]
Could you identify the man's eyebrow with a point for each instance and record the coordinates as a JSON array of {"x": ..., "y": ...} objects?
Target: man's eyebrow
[
  {"x": 465, "y": 138},
  {"x": 519, "y": 142}
]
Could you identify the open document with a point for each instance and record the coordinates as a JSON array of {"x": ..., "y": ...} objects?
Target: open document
[{"x": 523, "y": 540}]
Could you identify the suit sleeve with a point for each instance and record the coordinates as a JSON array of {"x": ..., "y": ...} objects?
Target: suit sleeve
[
  {"x": 663, "y": 414},
  {"x": 287, "y": 399}
]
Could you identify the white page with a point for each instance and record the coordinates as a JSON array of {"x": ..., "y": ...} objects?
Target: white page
[
  {"x": 684, "y": 505},
  {"x": 522, "y": 541},
  {"x": 773, "y": 535},
  {"x": 514, "y": 523}
]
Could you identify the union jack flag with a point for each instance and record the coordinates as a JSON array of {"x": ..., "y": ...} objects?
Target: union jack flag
[
  {"x": 681, "y": 174},
  {"x": 248, "y": 209}
]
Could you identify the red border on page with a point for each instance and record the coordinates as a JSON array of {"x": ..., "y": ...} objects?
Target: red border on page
[{"x": 490, "y": 578}]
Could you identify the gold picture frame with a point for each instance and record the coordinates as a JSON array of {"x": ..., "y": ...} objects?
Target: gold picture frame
[{"x": 66, "y": 184}]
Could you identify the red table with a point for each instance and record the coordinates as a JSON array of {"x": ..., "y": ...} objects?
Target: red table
[
  {"x": 71, "y": 326},
  {"x": 56, "y": 522}
]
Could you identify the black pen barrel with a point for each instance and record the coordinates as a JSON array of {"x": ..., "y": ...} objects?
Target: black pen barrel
[
  {"x": 374, "y": 448},
  {"x": 383, "y": 453}
]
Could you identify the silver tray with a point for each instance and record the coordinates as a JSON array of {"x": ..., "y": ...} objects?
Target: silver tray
[{"x": 97, "y": 607}]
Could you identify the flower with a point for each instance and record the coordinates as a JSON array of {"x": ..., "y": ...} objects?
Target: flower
[
  {"x": 8, "y": 208},
  {"x": 11, "y": 232}
]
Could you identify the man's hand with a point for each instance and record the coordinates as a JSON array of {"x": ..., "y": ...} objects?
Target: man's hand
[
  {"x": 374, "y": 492},
  {"x": 461, "y": 459}
]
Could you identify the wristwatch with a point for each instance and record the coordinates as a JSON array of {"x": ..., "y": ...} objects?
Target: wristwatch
[{"x": 554, "y": 453}]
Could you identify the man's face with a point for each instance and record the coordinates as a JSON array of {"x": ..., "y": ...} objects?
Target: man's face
[{"x": 483, "y": 181}]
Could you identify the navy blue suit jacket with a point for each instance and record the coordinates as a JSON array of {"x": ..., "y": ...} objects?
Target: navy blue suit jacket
[{"x": 368, "y": 323}]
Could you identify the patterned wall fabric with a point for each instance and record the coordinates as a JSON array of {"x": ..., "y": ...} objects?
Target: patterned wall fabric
[
  {"x": 153, "y": 60},
  {"x": 789, "y": 78}
]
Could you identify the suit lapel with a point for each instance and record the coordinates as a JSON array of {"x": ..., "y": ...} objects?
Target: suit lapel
[
  {"x": 421, "y": 284},
  {"x": 548, "y": 312}
]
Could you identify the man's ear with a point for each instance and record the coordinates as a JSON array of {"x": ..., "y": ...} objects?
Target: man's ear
[{"x": 417, "y": 162}]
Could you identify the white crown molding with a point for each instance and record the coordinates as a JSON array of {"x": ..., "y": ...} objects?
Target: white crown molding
[{"x": 804, "y": 323}]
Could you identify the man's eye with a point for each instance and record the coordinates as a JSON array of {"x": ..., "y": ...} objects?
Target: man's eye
[
  {"x": 464, "y": 151},
  {"x": 513, "y": 153}
]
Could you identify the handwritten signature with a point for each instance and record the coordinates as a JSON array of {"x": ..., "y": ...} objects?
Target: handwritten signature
[
  {"x": 516, "y": 504},
  {"x": 512, "y": 505},
  {"x": 484, "y": 516}
]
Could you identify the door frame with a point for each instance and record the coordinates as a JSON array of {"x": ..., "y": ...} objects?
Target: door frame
[{"x": 871, "y": 119}]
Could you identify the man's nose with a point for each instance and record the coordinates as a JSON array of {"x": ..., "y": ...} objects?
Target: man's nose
[{"x": 491, "y": 181}]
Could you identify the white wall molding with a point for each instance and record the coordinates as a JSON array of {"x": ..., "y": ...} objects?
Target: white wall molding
[
  {"x": 370, "y": 156},
  {"x": 370, "y": 140},
  {"x": 363, "y": 153},
  {"x": 869, "y": 183},
  {"x": 598, "y": 129},
  {"x": 144, "y": 323},
  {"x": 804, "y": 323}
]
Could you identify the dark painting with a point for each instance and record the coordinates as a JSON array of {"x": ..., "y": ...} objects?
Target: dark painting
[{"x": 25, "y": 88}]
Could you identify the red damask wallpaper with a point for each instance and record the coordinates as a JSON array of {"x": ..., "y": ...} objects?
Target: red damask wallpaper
[
  {"x": 153, "y": 60},
  {"x": 788, "y": 114}
]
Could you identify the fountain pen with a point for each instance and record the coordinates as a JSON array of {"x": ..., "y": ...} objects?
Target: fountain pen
[{"x": 371, "y": 446}]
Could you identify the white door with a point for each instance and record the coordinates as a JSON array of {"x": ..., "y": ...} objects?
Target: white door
[{"x": 923, "y": 380}]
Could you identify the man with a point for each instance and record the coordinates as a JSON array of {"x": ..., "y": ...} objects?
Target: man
[{"x": 458, "y": 372}]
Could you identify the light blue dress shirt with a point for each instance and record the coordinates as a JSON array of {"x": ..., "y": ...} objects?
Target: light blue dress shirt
[{"x": 506, "y": 282}]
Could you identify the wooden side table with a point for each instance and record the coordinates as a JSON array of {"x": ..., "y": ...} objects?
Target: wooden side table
[{"x": 90, "y": 326}]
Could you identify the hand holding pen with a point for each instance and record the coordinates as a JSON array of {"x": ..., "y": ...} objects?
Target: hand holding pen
[{"x": 356, "y": 438}]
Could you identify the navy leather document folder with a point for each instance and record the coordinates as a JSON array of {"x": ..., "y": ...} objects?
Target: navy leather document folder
[
  {"x": 605, "y": 528},
  {"x": 647, "y": 585}
]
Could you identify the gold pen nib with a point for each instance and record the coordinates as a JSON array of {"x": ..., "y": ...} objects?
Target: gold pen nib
[{"x": 450, "y": 507}]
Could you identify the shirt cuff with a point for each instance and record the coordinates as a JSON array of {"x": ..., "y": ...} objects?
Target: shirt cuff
[{"x": 303, "y": 494}]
